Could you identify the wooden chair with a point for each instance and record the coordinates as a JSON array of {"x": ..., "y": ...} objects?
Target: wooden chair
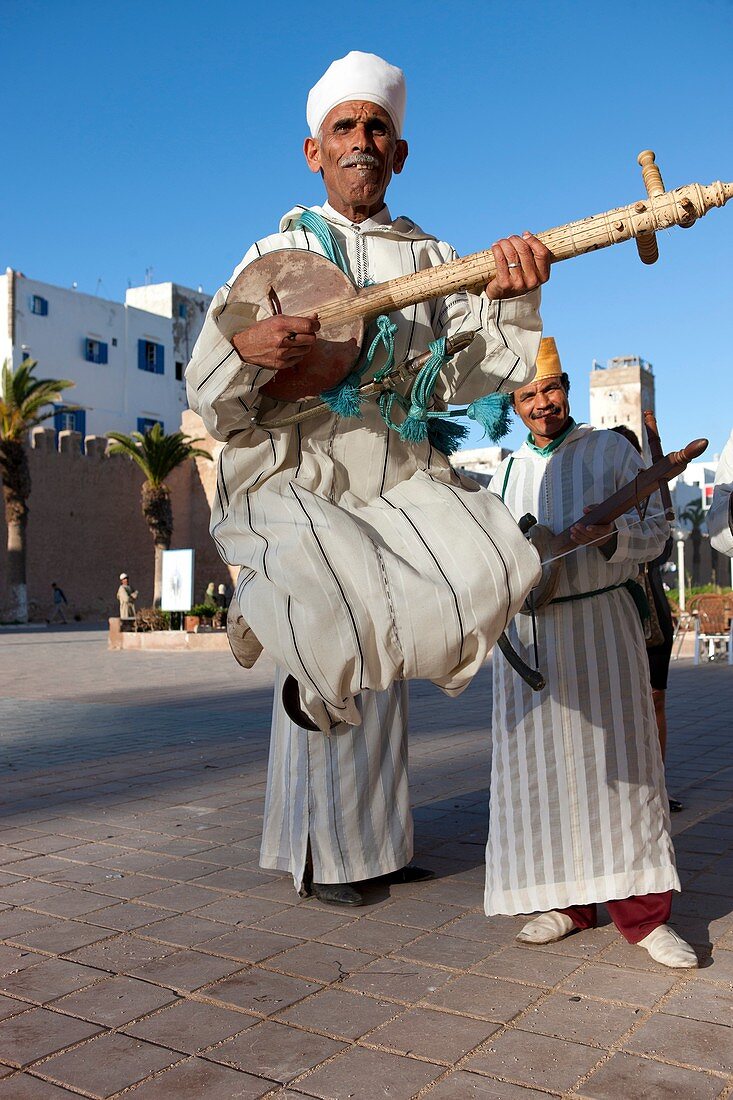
[{"x": 712, "y": 625}]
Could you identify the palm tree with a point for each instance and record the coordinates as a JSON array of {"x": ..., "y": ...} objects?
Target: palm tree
[
  {"x": 694, "y": 514},
  {"x": 23, "y": 400},
  {"x": 157, "y": 455}
]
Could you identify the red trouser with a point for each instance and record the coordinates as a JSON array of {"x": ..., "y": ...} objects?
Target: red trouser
[{"x": 635, "y": 917}]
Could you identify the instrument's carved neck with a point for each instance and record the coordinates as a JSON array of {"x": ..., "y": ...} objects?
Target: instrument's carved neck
[{"x": 680, "y": 207}]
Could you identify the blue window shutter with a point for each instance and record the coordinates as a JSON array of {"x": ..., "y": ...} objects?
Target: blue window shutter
[
  {"x": 44, "y": 307},
  {"x": 159, "y": 359},
  {"x": 142, "y": 362},
  {"x": 80, "y": 421},
  {"x": 103, "y": 358},
  {"x": 58, "y": 421}
]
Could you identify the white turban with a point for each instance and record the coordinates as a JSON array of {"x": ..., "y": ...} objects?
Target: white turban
[{"x": 360, "y": 76}]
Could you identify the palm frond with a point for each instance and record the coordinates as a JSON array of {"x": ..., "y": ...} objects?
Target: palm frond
[
  {"x": 25, "y": 400},
  {"x": 156, "y": 453}
]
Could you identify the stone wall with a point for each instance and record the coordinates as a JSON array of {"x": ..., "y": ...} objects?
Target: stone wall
[{"x": 86, "y": 524}]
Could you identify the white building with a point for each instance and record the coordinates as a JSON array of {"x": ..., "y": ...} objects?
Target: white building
[
  {"x": 481, "y": 464},
  {"x": 126, "y": 359}
]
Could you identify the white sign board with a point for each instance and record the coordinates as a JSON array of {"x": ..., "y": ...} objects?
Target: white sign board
[{"x": 177, "y": 582}]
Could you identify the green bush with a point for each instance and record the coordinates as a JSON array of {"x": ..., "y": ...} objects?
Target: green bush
[{"x": 203, "y": 611}]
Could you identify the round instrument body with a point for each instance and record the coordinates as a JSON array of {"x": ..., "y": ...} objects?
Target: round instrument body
[
  {"x": 299, "y": 282},
  {"x": 541, "y": 538}
]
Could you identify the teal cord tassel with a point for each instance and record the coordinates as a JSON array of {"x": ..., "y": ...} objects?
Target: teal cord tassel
[
  {"x": 446, "y": 435},
  {"x": 414, "y": 428},
  {"x": 493, "y": 413},
  {"x": 344, "y": 398}
]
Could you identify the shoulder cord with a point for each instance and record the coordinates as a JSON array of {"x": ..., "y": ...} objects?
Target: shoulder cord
[{"x": 419, "y": 423}]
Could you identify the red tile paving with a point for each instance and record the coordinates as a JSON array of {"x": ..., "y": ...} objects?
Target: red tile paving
[{"x": 170, "y": 966}]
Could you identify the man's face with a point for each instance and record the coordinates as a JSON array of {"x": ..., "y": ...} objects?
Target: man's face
[
  {"x": 357, "y": 151},
  {"x": 543, "y": 407}
]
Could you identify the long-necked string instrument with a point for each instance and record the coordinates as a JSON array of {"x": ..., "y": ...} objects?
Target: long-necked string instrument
[
  {"x": 301, "y": 283},
  {"x": 552, "y": 548}
]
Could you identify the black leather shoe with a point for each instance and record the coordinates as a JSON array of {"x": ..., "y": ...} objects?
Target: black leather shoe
[
  {"x": 336, "y": 893},
  {"x": 675, "y": 806},
  {"x": 410, "y": 873},
  {"x": 292, "y": 707}
]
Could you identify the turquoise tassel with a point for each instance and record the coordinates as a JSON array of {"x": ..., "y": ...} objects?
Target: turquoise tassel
[
  {"x": 493, "y": 413},
  {"x": 344, "y": 398},
  {"x": 446, "y": 435}
]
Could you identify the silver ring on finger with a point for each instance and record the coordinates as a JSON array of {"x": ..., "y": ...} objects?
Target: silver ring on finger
[{"x": 510, "y": 266}]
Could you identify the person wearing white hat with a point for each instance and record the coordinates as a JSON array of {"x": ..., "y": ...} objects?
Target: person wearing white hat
[
  {"x": 365, "y": 561},
  {"x": 578, "y": 808},
  {"x": 127, "y": 598}
]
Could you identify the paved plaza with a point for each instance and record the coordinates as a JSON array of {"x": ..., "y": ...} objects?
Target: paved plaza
[{"x": 144, "y": 953}]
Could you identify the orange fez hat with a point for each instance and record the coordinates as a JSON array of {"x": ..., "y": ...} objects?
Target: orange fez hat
[{"x": 548, "y": 360}]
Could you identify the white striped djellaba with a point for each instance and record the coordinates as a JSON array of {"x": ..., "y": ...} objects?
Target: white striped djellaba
[
  {"x": 578, "y": 807},
  {"x": 366, "y": 560}
]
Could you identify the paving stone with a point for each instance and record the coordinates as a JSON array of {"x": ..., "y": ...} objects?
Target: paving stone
[
  {"x": 249, "y": 944},
  {"x": 10, "y": 1006},
  {"x": 72, "y": 903},
  {"x": 260, "y": 991},
  {"x": 469, "y": 1086},
  {"x": 693, "y": 1043},
  {"x": 114, "y": 1001},
  {"x": 198, "y": 1078},
  {"x": 15, "y": 959},
  {"x": 122, "y": 953},
  {"x": 108, "y": 1064},
  {"x": 435, "y": 1036},
  {"x": 320, "y": 961},
  {"x": 341, "y": 1015},
  {"x": 486, "y": 998},
  {"x": 186, "y": 970},
  {"x": 475, "y": 926},
  {"x": 398, "y": 979},
  {"x": 244, "y": 910},
  {"x": 23, "y": 1087},
  {"x": 304, "y": 923},
  {"x": 419, "y": 914},
  {"x": 369, "y": 935},
  {"x": 699, "y": 1001},
  {"x": 614, "y": 983},
  {"x": 275, "y": 1051},
  {"x": 450, "y": 951},
  {"x": 190, "y": 1026},
  {"x": 644, "y": 1079},
  {"x": 16, "y": 923},
  {"x": 182, "y": 931},
  {"x": 525, "y": 965},
  {"x": 61, "y": 937},
  {"x": 182, "y": 898},
  {"x": 126, "y": 915},
  {"x": 536, "y": 1060},
  {"x": 38, "y": 1032},
  {"x": 27, "y": 892},
  {"x": 49, "y": 979},
  {"x": 365, "y": 1074},
  {"x": 595, "y": 1023}
]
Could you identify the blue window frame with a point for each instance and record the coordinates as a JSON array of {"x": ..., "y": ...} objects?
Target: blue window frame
[
  {"x": 38, "y": 305},
  {"x": 65, "y": 419},
  {"x": 95, "y": 351},
  {"x": 145, "y": 423},
  {"x": 150, "y": 356}
]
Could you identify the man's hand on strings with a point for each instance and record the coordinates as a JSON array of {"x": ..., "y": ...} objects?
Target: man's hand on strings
[
  {"x": 277, "y": 342},
  {"x": 597, "y": 534},
  {"x": 522, "y": 264}
]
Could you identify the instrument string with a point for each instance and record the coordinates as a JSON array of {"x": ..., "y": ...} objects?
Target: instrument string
[{"x": 602, "y": 538}]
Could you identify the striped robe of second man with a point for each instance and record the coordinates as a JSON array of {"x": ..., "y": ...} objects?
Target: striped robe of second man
[{"x": 578, "y": 807}]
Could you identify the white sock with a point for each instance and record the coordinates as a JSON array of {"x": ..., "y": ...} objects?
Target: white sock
[
  {"x": 547, "y": 928},
  {"x": 669, "y": 949}
]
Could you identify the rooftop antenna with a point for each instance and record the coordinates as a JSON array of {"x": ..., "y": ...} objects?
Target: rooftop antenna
[{"x": 148, "y": 276}]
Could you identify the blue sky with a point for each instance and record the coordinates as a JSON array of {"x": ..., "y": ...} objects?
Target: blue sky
[{"x": 168, "y": 136}]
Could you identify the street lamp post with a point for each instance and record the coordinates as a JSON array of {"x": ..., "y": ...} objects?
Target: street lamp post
[{"x": 681, "y": 535}]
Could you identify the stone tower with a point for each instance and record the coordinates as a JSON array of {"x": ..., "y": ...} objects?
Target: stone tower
[{"x": 619, "y": 393}]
